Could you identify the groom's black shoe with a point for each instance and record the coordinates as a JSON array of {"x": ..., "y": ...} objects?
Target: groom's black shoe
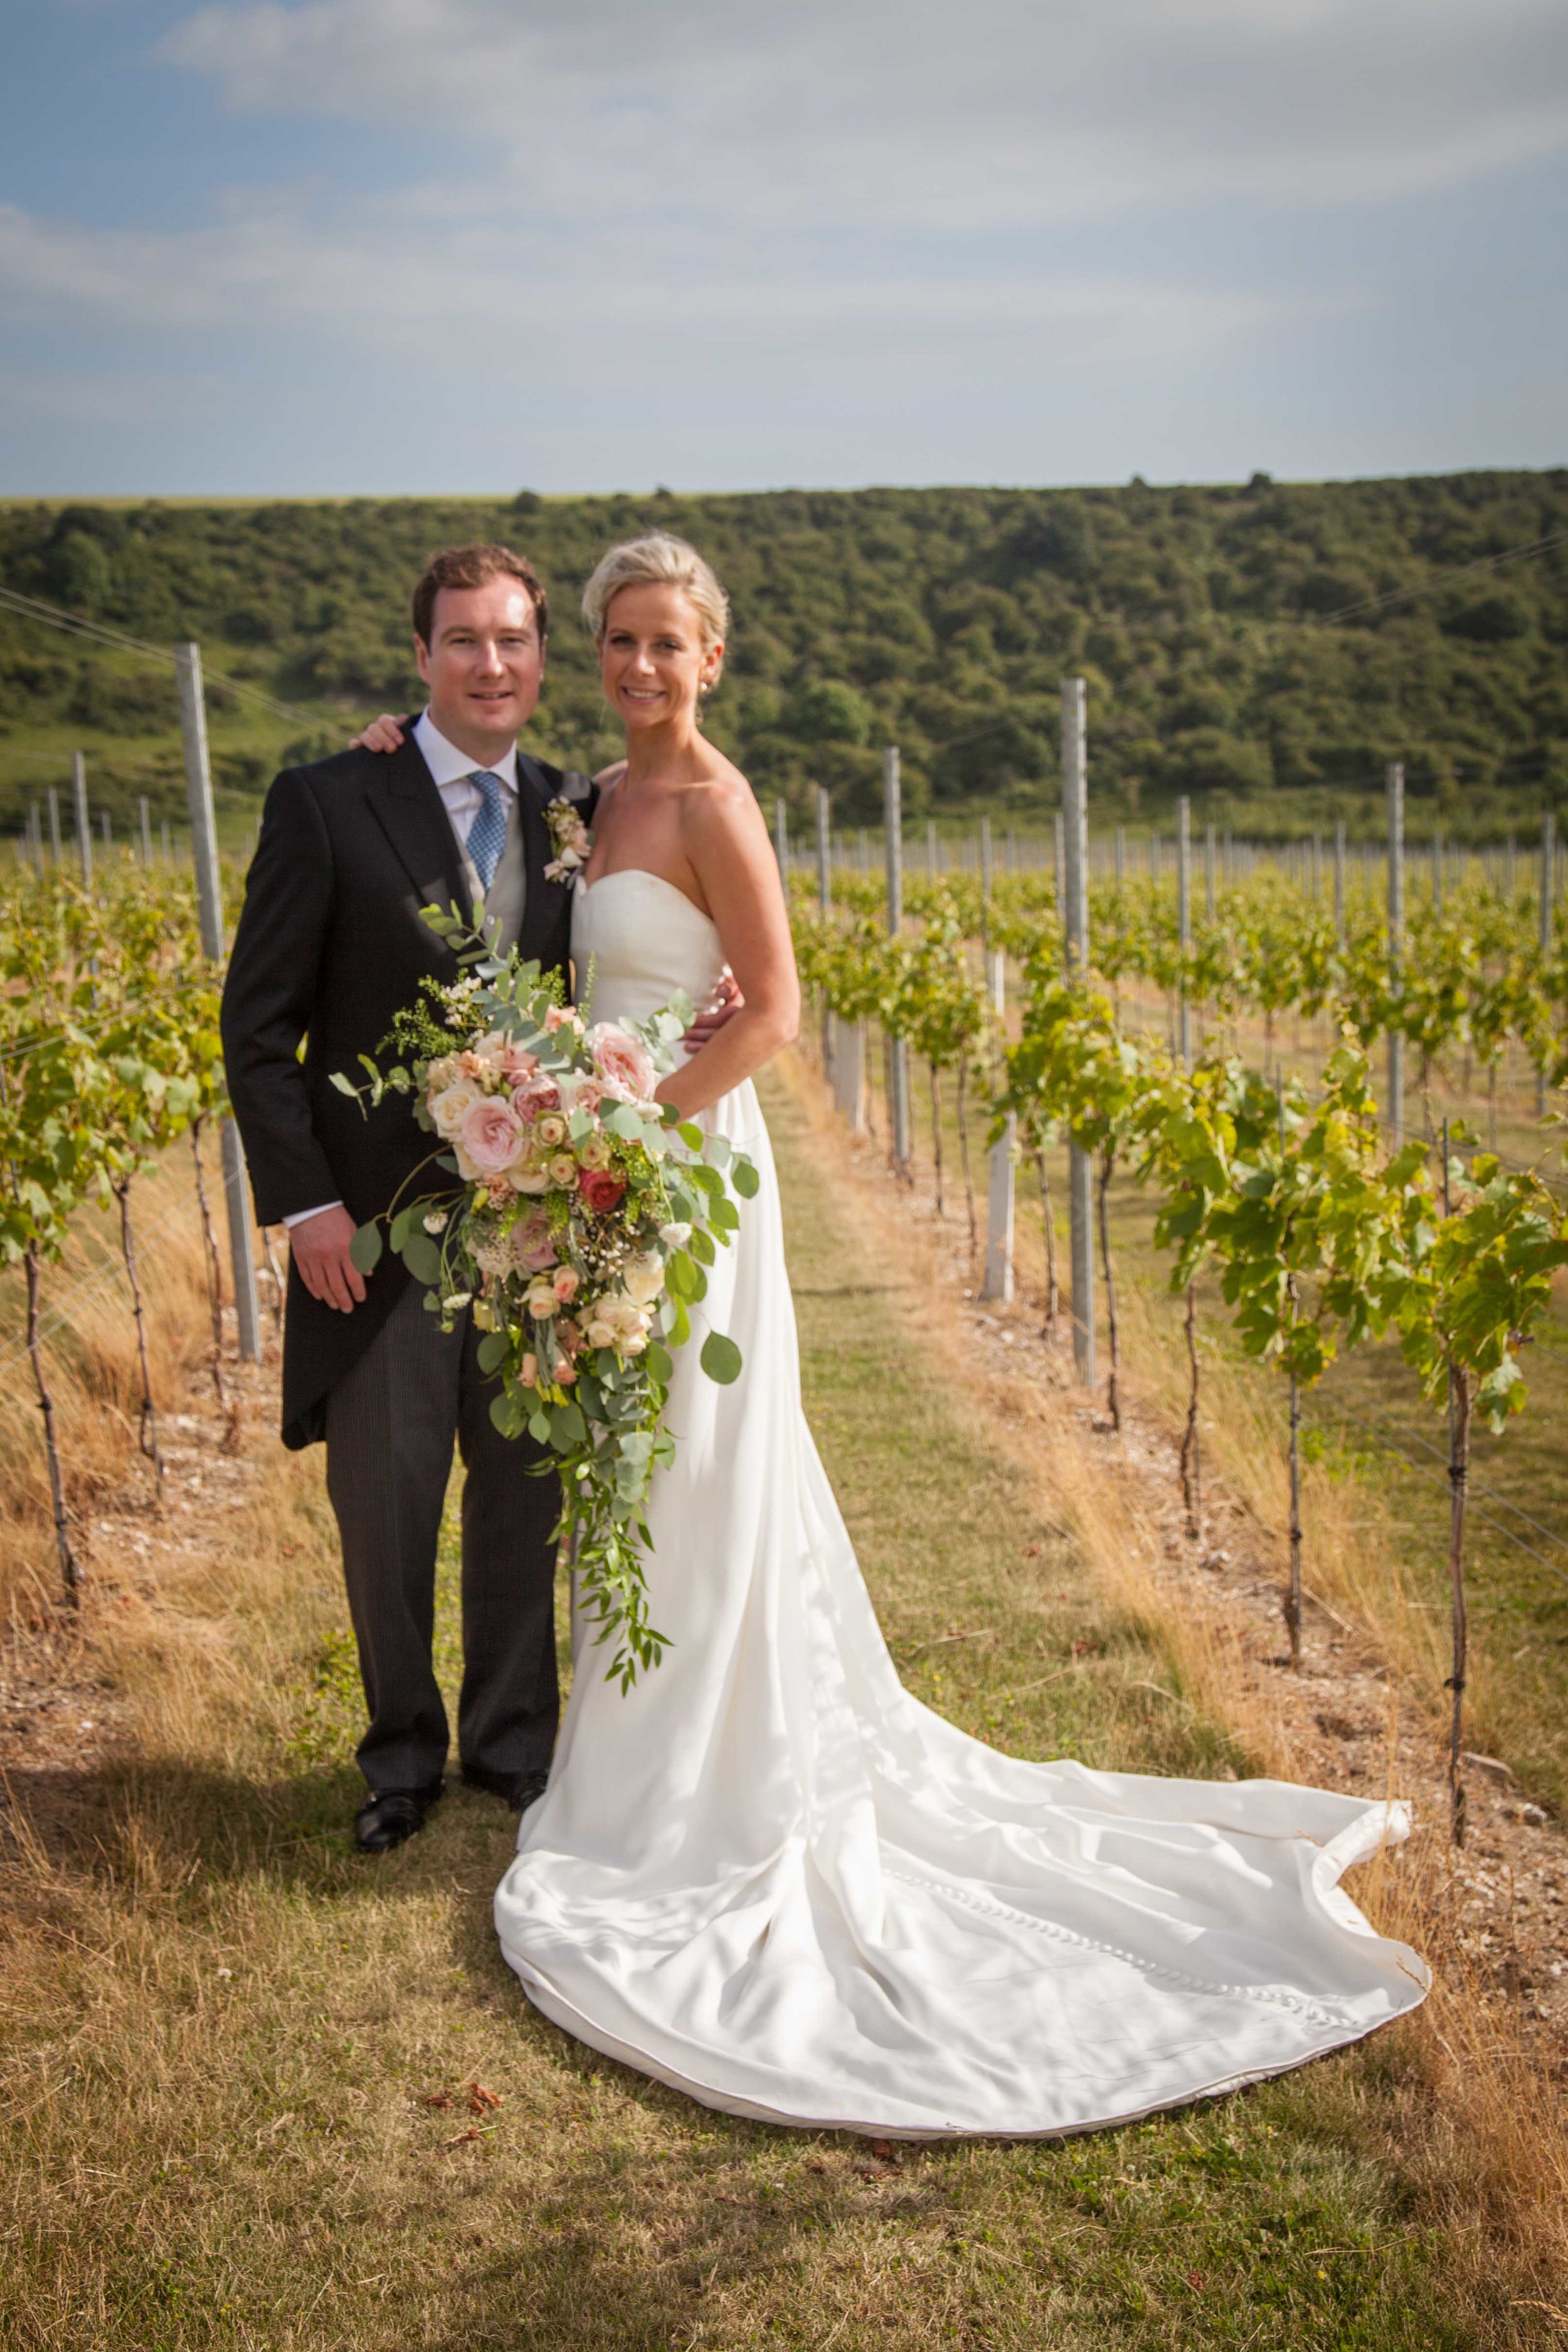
[
  {"x": 518, "y": 1790},
  {"x": 392, "y": 1815}
]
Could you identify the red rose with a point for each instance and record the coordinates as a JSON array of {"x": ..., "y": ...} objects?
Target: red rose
[{"x": 602, "y": 1190}]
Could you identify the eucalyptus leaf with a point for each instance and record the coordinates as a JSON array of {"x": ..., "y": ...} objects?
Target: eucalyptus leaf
[
  {"x": 567, "y": 1427},
  {"x": 366, "y": 1246},
  {"x": 720, "y": 1359},
  {"x": 421, "y": 1256},
  {"x": 507, "y": 1415}
]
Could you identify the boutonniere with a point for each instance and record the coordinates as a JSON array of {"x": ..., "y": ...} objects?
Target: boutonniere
[{"x": 569, "y": 837}]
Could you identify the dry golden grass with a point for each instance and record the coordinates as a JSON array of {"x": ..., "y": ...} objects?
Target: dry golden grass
[
  {"x": 91, "y": 1365},
  {"x": 239, "y": 2058}
]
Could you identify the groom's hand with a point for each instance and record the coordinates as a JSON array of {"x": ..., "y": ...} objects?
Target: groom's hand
[
  {"x": 725, "y": 1003},
  {"x": 320, "y": 1248}
]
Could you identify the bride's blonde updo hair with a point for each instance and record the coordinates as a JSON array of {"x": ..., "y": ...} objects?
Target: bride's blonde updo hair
[{"x": 659, "y": 560}]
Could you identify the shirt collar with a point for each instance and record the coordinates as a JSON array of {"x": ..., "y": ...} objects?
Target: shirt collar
[{"x": 450, "y": 766}]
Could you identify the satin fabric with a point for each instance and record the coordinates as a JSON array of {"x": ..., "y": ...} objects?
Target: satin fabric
[{"x": 770, "y": 1877}]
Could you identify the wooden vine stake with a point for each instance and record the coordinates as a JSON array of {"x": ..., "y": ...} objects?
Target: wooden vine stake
[
  {"x": 1292, "y": 1603},
  {"x": 1112, "y": 1330},
  {"x": 1461, "y": 1402},
  {"x": 147, "y": 1434},
  {"x": 1048, "y": 1212},
  {"x": 70, "y": 1572},
  {"x": 1192, "y": 1495},
  {"x": 214, "y": 1279}
]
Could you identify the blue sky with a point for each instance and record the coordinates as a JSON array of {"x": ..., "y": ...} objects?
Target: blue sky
[{"x": 396, "y": 245}]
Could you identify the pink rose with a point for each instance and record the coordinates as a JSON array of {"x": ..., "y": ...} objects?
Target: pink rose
[
  {"x": 532, "y": 1243},
  {"x": 601, "y": 1189},
  {"x": 516, "y": 1065},
  {"x": 528, "y": 1371},
  {"x": 580, "y": 1093},
  {"x": 535, "y": 1097},
  {"x": 563, "y": 1282},
  {"x": 626, "y": 1067},
  {"x": 489, "y": 1136}
]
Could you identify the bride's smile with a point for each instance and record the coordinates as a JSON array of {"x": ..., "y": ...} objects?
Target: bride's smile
[{"x": 653, "y": 661}]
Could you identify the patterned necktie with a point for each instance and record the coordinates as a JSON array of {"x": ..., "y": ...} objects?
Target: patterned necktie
[{"x": 487, "y": 834}]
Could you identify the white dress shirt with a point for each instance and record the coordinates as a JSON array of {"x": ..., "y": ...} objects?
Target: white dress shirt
[{"x": 453, "y": 770}]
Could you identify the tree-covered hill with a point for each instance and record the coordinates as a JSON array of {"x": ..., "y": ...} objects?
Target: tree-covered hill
[{"x": 1218, "y": 629}]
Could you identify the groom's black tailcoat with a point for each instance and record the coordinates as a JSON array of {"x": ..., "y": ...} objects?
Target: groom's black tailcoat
[{"x": 329, "y": 946}]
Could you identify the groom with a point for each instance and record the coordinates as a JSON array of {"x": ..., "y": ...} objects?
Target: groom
[{"x": 329, "y": 946}]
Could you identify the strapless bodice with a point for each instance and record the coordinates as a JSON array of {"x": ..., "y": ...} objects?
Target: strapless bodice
[{"x": 636, "y": 940}]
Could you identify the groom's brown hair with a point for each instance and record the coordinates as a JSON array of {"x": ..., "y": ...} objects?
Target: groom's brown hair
[{"x": 472, "y": 567}]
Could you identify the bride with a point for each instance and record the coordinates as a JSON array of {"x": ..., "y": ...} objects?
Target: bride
[{"x": 767, "y": 1875}]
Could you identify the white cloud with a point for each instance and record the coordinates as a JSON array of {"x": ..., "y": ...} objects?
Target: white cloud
[
  {"x": 706, "y": 220},
  {"x": 918, "y": 114},
  {"x": 509, "y": 294}
]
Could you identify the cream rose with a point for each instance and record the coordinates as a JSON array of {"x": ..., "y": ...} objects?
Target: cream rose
[
  {"x": 616, "y": 1323},
  {"x": 451, "y": 1106},
  {"x": 642, "y": 1278}
]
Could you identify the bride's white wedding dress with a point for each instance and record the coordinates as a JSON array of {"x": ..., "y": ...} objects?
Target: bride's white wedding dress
[{"x": 772, "y": 1878}]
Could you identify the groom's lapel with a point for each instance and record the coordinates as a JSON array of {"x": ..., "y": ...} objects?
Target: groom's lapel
[
  {"x": 544, "y": 901},
  {"x": 406, "y": 803}
]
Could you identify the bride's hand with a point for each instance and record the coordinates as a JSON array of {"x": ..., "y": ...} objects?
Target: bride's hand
[{"x": 382, "y": 734}]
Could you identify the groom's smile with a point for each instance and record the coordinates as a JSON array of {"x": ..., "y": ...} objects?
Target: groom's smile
[{"x": 484, "y": 666}]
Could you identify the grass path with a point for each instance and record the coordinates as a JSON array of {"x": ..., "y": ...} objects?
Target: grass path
[{"x": 242, "y": 2061}]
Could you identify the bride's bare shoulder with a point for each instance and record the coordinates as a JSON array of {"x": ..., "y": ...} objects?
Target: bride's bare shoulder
[
  {"x": 610, "y": 775},
  {"x": 721, "y": 801}
]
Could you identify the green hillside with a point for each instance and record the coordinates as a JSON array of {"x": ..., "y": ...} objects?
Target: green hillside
[{"x": 1211, "y": 623}]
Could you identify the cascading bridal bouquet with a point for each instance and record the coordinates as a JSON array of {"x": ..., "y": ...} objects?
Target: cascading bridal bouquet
[{"x": 583, "y": 1216}]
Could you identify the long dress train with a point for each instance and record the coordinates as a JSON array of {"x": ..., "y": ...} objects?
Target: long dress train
[{"x": 770, "y": 1877}]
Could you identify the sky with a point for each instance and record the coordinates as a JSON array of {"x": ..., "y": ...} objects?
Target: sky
[{"x": 383, "y": 246}]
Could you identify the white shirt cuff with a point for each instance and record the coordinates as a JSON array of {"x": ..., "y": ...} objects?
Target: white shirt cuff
[{"x": 303, "y": 1217}]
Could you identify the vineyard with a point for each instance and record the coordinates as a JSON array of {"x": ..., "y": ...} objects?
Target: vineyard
[
  {"x": 244, "y": 2031},
  {"x": 1214, "y": 1067},
  {"x": 1286, "y": 1200}
]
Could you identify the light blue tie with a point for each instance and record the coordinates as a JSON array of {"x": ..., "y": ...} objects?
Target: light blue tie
[{"x": 487, "y": 834}]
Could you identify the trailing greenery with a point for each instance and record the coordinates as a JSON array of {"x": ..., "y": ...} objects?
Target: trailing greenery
[{"x": 1214, "y": 626}]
